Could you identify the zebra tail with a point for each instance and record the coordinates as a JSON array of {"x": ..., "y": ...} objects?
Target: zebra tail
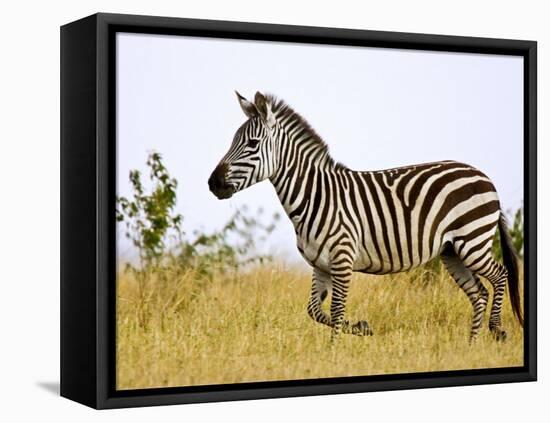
[{"x": 510, "y": 259}]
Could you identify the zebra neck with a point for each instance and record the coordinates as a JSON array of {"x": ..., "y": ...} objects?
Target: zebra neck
[{"x": 298, "y": 176}]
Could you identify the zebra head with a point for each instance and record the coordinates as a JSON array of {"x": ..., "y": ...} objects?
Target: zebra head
[{"x": 251, "y": 157}]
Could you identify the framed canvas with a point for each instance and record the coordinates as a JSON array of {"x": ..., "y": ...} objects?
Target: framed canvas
[{"x": 214, "y": 246}]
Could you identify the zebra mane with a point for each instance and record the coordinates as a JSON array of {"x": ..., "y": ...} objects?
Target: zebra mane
[{"x": 283, "y": 111}]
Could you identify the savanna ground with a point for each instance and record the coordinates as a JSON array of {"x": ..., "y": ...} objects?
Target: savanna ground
[
  {"x": 178, "y": 328},
  {"x": 207, "y": 309}
]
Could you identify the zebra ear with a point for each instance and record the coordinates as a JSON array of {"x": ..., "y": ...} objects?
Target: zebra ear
[
  {"x": 264, "y": 108},
  {"x": 248, "y": 107}
]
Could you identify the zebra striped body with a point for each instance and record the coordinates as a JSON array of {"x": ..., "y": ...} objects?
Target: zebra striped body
[
  {"x": 385, "y": 217},
  {"x": 375, "y": 222}
]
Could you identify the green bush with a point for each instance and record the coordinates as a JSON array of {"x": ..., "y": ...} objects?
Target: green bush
[
  {"x": 149, "y": 218},
  {"x": 157, "y": 231}
]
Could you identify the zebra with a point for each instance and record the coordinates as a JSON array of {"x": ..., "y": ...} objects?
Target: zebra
[{"x": 375, "y": 222}]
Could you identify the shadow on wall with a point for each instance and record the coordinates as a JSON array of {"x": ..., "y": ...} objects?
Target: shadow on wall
[{"x": 51, "y": 387}]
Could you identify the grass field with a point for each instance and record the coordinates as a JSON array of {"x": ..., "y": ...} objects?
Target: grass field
[{"x": 176, "y": 329}]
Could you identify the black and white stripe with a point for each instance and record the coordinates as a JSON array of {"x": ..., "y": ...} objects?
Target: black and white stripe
[{"x": 376, "y": 222}]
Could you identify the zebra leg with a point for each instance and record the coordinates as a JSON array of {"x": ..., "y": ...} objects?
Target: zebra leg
[
  {"x": 341, "y": 271},
  {"x": 472, "y": 286},
  {"x": 320, "y": 287},
  {"x": 497, "y": 274},
  {"x": 319, "y": 290},
  {"x": 360, "y": 328}
]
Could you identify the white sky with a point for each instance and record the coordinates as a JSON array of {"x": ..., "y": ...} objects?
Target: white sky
[{"x": 376, "y": 108}]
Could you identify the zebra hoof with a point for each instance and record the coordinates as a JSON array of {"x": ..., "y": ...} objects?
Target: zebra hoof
[
  {"x": 500, "y": 335},
  {"x": 361, "y": 328}
]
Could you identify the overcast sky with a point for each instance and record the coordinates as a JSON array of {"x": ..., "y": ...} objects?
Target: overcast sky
[{"x": 376, "y": 108}]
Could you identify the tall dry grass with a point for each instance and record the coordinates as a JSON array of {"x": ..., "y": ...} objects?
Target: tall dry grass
[{"x": 176, "y": 329}]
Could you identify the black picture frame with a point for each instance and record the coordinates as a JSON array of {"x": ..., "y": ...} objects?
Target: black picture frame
[{"x": 88, "y": 209}]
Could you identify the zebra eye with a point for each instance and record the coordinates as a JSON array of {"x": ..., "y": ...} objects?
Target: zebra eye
[{"x": 253, "y": 142}]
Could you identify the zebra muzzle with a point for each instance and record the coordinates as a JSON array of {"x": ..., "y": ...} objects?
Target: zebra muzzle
[{"x": 218, "y": 183}]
